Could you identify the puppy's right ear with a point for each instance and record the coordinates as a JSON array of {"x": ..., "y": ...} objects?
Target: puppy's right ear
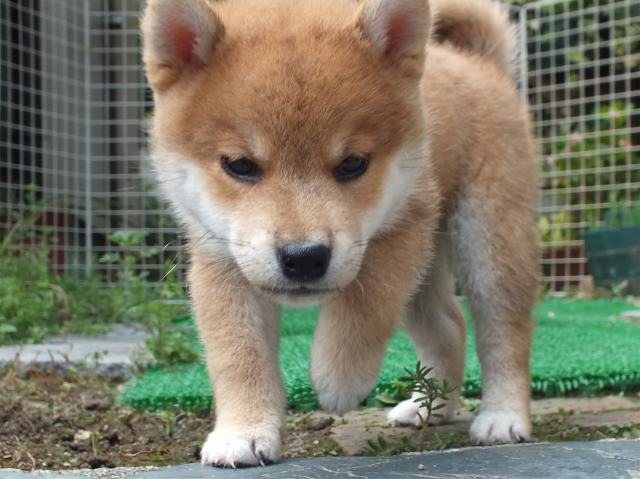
[
  {"x": 398, "y": 31},
  {"x": 178, "y": 36}
]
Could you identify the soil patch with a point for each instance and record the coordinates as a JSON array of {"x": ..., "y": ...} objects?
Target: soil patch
[{"x": 53, "y": 422}]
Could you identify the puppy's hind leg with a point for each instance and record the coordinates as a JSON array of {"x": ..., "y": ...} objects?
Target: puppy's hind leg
[
  {"x": 495, "y": 258},
  {"x": 436, "y": 326}
]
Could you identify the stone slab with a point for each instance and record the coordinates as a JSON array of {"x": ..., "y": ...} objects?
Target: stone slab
[
  {"x": 571, "y": 460},
  {"x": 114, "y": 354},
  {"x": 355, "y": 428},
  {"x": 633, "y": 315}
]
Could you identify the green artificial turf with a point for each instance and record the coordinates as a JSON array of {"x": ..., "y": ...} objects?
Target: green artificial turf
[{"x": 579, "y": 346}]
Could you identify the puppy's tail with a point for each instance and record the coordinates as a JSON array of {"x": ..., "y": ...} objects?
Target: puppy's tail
[{"x": 478, "y": 26}]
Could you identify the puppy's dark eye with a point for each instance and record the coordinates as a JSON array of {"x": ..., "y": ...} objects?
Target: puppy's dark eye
[
  {"x": 242, "y": 169},
  {"x": 351, "y": 168}
]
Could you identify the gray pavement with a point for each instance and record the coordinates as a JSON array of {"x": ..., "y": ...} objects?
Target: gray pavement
[
  {"x": 610, "y": 459},
  {"x": 115, "y": 354},
  {"x": 633, "y": 315}
]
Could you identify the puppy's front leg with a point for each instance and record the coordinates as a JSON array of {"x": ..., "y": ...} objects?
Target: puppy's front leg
[
  {"x": 240, "y": 332},
  {"x": 356, "y": 323},
  {"x": 348, "y": 346}
]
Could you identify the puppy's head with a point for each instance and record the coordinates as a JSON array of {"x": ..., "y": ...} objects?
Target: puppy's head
[{"x": 287, "y": 133}]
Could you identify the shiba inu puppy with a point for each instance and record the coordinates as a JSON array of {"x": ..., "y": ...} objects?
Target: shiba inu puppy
[{"x": 357, "y": 155}]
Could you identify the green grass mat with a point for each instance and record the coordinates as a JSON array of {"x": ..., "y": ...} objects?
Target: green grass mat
[{"x": 579, "y": 346}]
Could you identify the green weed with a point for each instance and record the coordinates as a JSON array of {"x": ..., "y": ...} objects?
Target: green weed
[
  {"x": 431, "y": 394},
  {"x": 36, "y": 302}
]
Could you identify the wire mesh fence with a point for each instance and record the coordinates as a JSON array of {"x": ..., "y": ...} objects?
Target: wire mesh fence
[
  {"x": 583, "y": 86},
  {"x": 75, "y": 108},
  {"x": 73, "y": 148}
]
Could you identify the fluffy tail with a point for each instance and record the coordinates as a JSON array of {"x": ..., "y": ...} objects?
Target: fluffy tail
[{"x": 479, "y": 26}]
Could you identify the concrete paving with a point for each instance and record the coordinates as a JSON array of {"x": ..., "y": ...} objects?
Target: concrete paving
[
  {"x": 571, "y": 460},
  {"x": 115, "y": 354}
]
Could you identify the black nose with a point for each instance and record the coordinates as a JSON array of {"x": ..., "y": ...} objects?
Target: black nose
[{"x": 304, "y": 262}]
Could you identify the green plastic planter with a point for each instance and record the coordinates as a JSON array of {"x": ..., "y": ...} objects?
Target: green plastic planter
[{"x": 613, "y": 256}]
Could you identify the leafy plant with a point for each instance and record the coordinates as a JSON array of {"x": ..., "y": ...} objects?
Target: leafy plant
[
  {"x": 431, "y": 393},
  {"x": 586, "y": 137},
  {"x": 620, "y": 216},
  {"x": 554, "y": 228},
  {"x": 36, "y": 302},
  {"x": 399, "y": 391},
  {"x": 384, "y": 447},
  {"x": 170, "y": 347},
  {"x": 148, "y": 303},
  {"x": 586, "y": 171}
]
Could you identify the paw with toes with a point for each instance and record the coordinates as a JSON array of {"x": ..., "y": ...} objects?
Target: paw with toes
[
  {"x": 492, "y": 427},
  {"x": 341, "y": 394},
  {"x": 406, "y": 414},
  {"x": 242, "y": 446}
]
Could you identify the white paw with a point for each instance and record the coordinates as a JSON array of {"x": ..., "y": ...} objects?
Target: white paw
[
  {"x": 406, "y": 414},
  {"x": 500, "y": 426},
  {"x": 341, "y": 401},
  {"x": 339, "y": 393},
  {"x": 242, "y": 446},
  {"x": 341, "y": 398}
]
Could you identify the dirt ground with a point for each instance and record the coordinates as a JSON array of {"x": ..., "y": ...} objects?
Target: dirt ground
[{"x": 50, "y": 422}]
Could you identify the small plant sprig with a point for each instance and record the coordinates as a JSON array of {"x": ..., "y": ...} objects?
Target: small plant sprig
[{"x": 430, "y": 393}]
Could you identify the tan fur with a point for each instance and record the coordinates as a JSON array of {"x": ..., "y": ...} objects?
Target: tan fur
[
  {"x": 297, "y": 86},
  {"x": 476, "y": 26}
]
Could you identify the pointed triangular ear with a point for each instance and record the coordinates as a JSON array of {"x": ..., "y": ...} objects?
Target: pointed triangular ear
[
  {"x": 177, "y": 35},
  {"x": 397, "y": 29}
]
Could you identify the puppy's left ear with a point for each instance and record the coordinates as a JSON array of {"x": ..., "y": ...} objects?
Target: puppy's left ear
[
  {"x": 179, "y": 37},
  {"x": 398, "y": 30}
]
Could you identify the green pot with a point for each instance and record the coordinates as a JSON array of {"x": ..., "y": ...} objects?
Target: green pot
[{"x": 613, "y": 256}]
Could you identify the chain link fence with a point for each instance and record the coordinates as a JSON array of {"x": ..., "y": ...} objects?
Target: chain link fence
[{"x": 75, "y": 109}]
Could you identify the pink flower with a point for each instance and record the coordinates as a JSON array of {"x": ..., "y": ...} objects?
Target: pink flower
[
  {"x": 551, "y": 160},
  {"x": 575, "y": 138},
  {"x": 624, "y": 143}
]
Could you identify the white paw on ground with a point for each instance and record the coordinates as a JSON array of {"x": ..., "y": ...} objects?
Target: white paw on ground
[
  {"x": 242, "y": 446},
  {"x": 341, "y": 402},
  {"x": 340, "y": 396},
  {"x": 406, "y": 412},
  {"x": 500, "y": 426}
]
